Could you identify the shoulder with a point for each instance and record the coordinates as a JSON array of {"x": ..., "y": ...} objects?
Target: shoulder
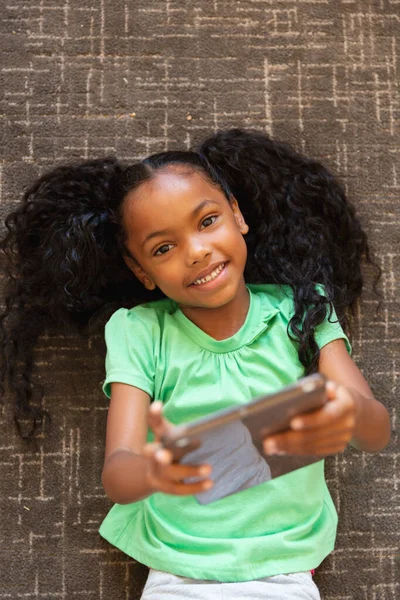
[
  {"x": 274, "y": 297},
  {"x": 280, "y": 296},
  {"x": 150, "y": 316}
]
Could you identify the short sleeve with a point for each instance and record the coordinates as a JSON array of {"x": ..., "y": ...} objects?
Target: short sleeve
[
  {"x": 130, "y": 355},
  {"x": 330, "y": 330}
]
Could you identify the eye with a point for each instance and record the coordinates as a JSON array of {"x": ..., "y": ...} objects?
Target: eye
[
  {"x": 162, "y": 249},
  {"x": 208, "y": 221}
]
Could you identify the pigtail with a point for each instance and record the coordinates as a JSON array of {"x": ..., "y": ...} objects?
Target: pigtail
[
  {"x": 303, "y": 230},
  {"x": 61, "y": 267}
]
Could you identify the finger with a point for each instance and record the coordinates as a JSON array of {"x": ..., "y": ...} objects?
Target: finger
[
  {"x": 331, "y": 389},
  {"x": 184, "y": 489},
  {"x": 157, "y": 453},
  {"x": 332, "y": 449},
  {"x": 323, "y": 450},
  {"x": 294, "y": 442},
  {"x": 178, "y": 472},
  {"x": 155, "y": 415},
  {"x": 323, "y": 446},
  {"x": 163, "y": 466},
  {"x": 157, "y": 423},
  {"x": 166, "y": 477},
  {"x": 342, "y": 427},
  {"x": 320, "y": 451},
  {"x": 319, "y": 448},
  {"x": 337, "y": 408}
]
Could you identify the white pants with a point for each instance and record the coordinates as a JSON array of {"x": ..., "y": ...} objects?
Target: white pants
[{"x": 293, "y": 586}]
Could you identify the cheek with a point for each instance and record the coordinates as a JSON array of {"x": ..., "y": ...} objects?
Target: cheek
[
  {"x": 244, "y": 254},
  {"x": 240, "y": 245},
  {"x": 167, "y": 272}
]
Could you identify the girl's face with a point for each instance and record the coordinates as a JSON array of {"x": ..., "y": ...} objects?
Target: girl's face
[{"x": 186, "y": 238}]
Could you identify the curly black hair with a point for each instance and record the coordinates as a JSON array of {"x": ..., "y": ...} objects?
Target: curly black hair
[{"x": 64, "y": 246}]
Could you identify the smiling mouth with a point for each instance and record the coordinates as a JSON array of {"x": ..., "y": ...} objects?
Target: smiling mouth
[{"x": 209, "y": 277}]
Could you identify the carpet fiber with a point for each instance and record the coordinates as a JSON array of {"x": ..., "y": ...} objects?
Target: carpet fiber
[{"x": 88, "y": 79}]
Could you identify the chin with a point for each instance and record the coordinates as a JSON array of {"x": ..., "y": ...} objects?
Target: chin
[{"x": 219, "y": 302}]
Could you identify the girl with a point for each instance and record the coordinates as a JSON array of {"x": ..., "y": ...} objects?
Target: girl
[{"x": 239, "y": 257}]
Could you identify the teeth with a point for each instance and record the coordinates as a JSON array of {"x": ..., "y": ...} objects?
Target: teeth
[{"x": 211, "y": 276}]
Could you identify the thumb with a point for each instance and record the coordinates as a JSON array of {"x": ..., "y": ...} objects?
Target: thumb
[
  {"x": 156, "y": 421},
  {"x": 331, "y": 389}
]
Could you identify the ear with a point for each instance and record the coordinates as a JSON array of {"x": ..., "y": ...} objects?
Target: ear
[
  {"x": 139, "y": 273},
  {"x": 240, "y": 222}
]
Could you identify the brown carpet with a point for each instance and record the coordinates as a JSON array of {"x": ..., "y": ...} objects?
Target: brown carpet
[{"x": 85, "y": 79}]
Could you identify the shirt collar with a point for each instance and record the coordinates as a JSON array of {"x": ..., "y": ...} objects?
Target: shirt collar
[{"x": 257, "y": 320}]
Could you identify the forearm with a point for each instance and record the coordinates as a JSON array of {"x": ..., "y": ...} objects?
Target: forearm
[
  {"x": 125, "y": 478},
  {"x": 372, "y": 430}
]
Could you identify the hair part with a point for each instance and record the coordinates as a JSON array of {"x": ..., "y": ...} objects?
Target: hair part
[{"x": 133, "y": 177}]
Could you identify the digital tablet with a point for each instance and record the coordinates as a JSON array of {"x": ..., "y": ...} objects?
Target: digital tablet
[{"x": 230, "y": 440}]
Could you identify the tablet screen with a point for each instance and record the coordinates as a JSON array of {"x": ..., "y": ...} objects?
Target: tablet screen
[{"x": 237, "y": 464}]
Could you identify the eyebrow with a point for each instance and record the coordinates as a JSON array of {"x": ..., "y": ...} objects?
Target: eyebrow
[{"x": 195, "y": 212}]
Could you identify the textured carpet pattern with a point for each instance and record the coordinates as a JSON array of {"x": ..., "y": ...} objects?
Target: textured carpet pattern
[{"x": 85, "y": 79}]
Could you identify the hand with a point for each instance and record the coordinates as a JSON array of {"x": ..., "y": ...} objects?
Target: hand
[
  {"x": 164, "y": 475},
  {"x": 321, "y": 432}
]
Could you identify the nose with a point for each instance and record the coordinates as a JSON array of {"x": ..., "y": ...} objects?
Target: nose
[{"x": 197, "y": 249}]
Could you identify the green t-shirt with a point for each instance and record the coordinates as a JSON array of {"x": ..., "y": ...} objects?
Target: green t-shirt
[{"x": 285, "y": 525}]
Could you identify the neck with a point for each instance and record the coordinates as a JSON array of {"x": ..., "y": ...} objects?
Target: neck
[{"x": 224, "y": 321}]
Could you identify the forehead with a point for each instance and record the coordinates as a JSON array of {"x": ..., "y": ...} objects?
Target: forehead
[{"x": 170, "y": 195}]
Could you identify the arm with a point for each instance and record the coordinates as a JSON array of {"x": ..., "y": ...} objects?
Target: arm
[
  {"x": 372, "y": 424},
  {"x": 125, "y": 440},
  {"x": 133, "y": 469},
  {"x": 351, "y": 415}
]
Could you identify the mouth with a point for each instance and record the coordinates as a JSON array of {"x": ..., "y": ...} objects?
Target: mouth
[{"x": 210, "y": 276}]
